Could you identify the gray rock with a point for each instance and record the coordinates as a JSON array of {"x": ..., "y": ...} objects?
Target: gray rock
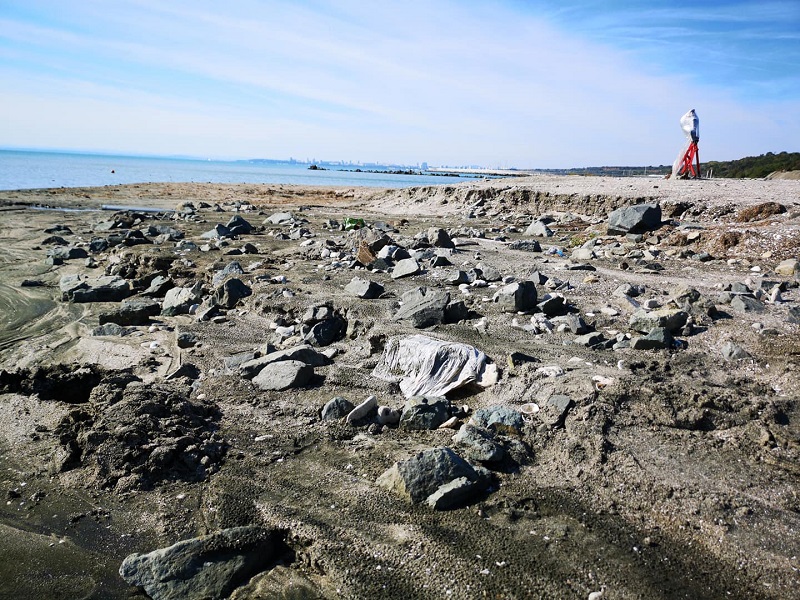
[
  {"x": 159, "y": 286},
  {"x": 478, "y": 443},
  {"x": 170, "y": 233},
  {"x": 574, "y": 322},
  {"x": 582, "y": 254},
  {"x": 634, "y": 219},
  {"x": 440, "y": 260},
  {"x": 420, "y": 476},
  {"x": 177, "y": 301},
  {"x": 235, "y": 361},
  {"x": 363, "y": 288},
  {"x": 500, "y": 419},
  {"x": 303, "y": 353},
  {"x": 732, "y": 351},
  {"x": 68, "y": 284},
  {"x": 455, "y": 312},
  {"x": 539, "y": 229},
  {"x": 232, "y": 268},
  {"x": 238, "y": 225},
  {"x": 110, "y": 329},
  {"x": 186, "y": 339},
  {"x": 283, "y": 375},
  {"x": 211, "y": 566},
  {"x": 230, "y": 292},
  {"x": 793, "y": 315},
  {"x": 488, "y": 273},
  {"x": 405, "y": 268},
  {"x": 552, "y": 305},
  {"x": 517, "y": 296},
  {"x": 590, "y": 339},
  {"x": 746, "y": 304},
  {"x": 218, "y": 231},
  {"x": 336, "y": 408},
  {"x": 279, "y": 218},
  {"x": 659, "y": 338},
  {"x": 439, "y": 238},
  {"x": 107, "y": 288},
  {"x": 388, "y": 415},
  {"x": 67, "y": 252},
  {"x": 672, "y": 319},
  {"x": 134, "y": 311},
  {"x": 455, "y": 277},
  {"x": 326, "y": 332},
  {"x": 459, "y": 492},
  {"x": 424, "y": 412},
  {"x": 423, "y": 307},
  {"x": 525, "y": 246},
  {"x": 555, "y": 410}
]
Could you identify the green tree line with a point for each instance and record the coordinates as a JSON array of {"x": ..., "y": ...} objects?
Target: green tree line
[{"x": 754, "y": 166}]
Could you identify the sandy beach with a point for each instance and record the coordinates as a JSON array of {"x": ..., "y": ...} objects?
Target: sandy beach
[{"x": 633, "y": 429}]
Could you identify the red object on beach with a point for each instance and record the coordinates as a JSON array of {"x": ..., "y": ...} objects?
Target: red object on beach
[{"x": 687, "y": 168}]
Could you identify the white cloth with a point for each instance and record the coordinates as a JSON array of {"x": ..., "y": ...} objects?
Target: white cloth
[{"x": 428, "y": 367}]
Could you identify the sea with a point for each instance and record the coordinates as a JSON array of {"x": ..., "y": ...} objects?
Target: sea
[{"x": 22, "y": 169}]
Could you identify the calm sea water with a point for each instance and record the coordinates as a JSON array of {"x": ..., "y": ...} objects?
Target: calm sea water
[{"x": 33, "y": 170}]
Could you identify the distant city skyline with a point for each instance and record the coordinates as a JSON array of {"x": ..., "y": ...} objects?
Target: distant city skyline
[{"x": 502, "y": 84}]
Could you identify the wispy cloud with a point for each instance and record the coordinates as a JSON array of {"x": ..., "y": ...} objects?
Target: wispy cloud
[{"x": 446, "y": 82}]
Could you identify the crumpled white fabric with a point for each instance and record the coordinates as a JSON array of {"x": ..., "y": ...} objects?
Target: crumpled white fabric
[
  {"x": 428, "y": 367},
  {"x": 690, "y": 124}
]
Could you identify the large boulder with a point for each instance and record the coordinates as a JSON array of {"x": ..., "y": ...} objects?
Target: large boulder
[
  {"x": 178, "y": 301},
  {"x": 283, "y": 375},
  {"x": 672, "y": 319},
  {"x": 326, "y": 332},
  {"x": 788, "y": 267},
  {"x": 500, "y": 419},
  {"x": 659, "y": 338},
  {"x": 422, "y": 475},
  {"x": 134, "y": 311},
  {"x": 634, "y": 219},
  {"x": 218, "y": 231},
  {"x": 231, "y": 269},
  {"x": 107, "y": 288},
  {"x": 423, "y": 307},
  {"x": 405, "y": 268},
  {"x": 211, "y": 566},
  {"x": 424, "y": 412},
  {"x": 238, "y": 225},
  {"x": 539, "y": 229},
  {"x": 363, "y": 288},
  {"x": 229, "y": 293},
  {"x": 439, "y": 238},
  {"x": 478, "y": 443},
  {"x": 516, "y": 297}
]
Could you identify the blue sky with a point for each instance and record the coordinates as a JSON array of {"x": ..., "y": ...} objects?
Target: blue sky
[{"x": 503, "y": 83}]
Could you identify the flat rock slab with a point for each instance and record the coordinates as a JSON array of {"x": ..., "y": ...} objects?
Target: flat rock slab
[
  {"x": 363, "y": 288},
  {"x": 205, "y": 567},
  {"x": 423, "y": 307},
  {"x": 405, "y": 268},
  {"x": 283, "y": 375}
]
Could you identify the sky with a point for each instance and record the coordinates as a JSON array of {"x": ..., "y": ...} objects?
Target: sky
[{"x": 511, "y": 83}]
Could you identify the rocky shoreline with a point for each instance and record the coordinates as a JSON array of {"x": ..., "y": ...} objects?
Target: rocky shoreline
[{"x": 545, "y": 388}]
